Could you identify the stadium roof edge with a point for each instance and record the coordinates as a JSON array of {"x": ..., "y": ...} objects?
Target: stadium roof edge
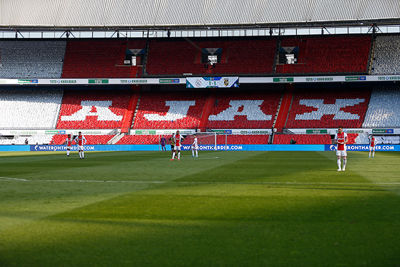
[{"x": 281, "y": 25}]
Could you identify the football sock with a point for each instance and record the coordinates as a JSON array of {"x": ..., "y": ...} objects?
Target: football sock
[
  {"x": 83, "y": 154},
  {"x": 373, "y": 154},
  {"x": 173, "y": 155},
  {"x": 344, "y": 163},
  {"x": 67, "y": 152},
  {"x": 179, "y": 155},
  {"x": 338, "y": 163},
  {"x": 192, "y": 153},
  {"x": 197, "y": 154}
]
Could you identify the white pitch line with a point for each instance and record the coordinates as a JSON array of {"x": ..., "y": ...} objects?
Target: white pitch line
[
  {"x": 14, "y": 179},
  {"x": 192, "y": 182}
]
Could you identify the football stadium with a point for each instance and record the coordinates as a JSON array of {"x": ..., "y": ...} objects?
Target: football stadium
[{"x": 199, "y": 133}]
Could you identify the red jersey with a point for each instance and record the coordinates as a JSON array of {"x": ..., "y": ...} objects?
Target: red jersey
[
  {"x": 178, "y": 139},
  {"x": 373, "y": 141},
  {"x": 69, "y": 141},
  {"x": 341, "y": 138},
  {"x": 80, "y": 140}
]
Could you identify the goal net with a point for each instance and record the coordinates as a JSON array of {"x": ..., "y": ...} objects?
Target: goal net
[{"x": 205, "y": 140}]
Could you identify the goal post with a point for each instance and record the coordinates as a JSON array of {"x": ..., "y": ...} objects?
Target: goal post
[{"x": 205, "y": 140}]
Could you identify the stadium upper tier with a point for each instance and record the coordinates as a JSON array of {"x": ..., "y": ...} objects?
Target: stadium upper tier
[
  {"x": 178, "y": 56},
  {"x": 31, "y": 59},
  {"x": 175, "y": 57},
  {"x": 99, "y": 59},
  {"x": 328, "y": 54},
  {"x": 118, "y": 109}
]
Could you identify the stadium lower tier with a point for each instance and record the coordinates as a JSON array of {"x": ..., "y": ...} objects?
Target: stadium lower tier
[
  {"x": 60, "y": 139},
  {"x": 117, "y": 108},
  {"x": 202, "y": 140},
  {"x": 306, "y": 139}
]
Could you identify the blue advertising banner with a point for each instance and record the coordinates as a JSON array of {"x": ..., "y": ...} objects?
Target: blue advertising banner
[
  {"x": 365, "y": 148},
  {"x": 184, "y": 148},
  {"x": 14, "y": 148},
  {"x": 96, "y": 148},
  {"x": 201, "y": 147},
  {"x": 258, "y": 147}
]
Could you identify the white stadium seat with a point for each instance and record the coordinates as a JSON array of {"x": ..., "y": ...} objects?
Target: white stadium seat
[
  {"x": 383, "y": 109},
  {"x": 387, "y": 55},
  {"x": 31, "y": 59},
  {"x": 29, "y": 108}
]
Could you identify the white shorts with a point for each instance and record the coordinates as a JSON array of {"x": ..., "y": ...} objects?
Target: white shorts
[
  {"x": 80, "y": 148},
  {"x": 372, "y": 148},
  {"x": 178, "y": 148},
  {"x": 341, "y": 153},
  {"x": 195, "y": 147}
]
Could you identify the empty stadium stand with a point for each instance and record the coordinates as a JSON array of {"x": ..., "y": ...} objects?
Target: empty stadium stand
[
  {"x": 93, "y": 109},
  {"x": 60, "y": 139},
  {"x": 29, "y": 108},
  {"x": 202, "y": 140},
  {"x": 31, "y": 59},
  {"x": 32, "y": 140},
  {"x": 100, "y": 59},
  {"x": 308, "y": 139},
  {"x": 174, "y": 110},
  {"x": 328, "y": 54},
  {"x": 237, "y": 57},
  {"x": 140, "y": 139},
  {"x": 384, "y": 108},
  {"x": 386, "y": 55},
  {"x": 244, "y": 110},
  {"x": 328, "y": 109}
]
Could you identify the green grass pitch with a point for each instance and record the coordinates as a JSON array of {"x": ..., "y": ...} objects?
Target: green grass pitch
[{"x": 223, "y": 209}]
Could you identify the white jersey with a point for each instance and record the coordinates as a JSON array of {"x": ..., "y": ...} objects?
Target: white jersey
[
  {"x": 80, "y": 141},
  {"x": 195, "y": 144}
]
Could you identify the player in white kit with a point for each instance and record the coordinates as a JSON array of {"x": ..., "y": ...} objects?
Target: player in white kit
[
  {"x": 341, "y": 140},
  {"x": 372, "y": 146},
  {"x": 178, "y": 141},
  {"x": 80, "y": 141},
  {"x": 68, "y": 142},
  {"x": 195, "y": 147}
]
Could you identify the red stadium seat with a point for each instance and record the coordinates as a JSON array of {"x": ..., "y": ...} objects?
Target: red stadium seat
[
  {"x": 328, "y": 109},
  {"x": 60, "y": 139},
  {"x": 169, "y": 111},
  {"x": 140, "y": 140},
  {"x": 328, "y": 54},
  {"x": 99, "y": 59},
  {"x": 308, "y": 139},
  {"x": 238, "y": 56},
  {"x": 240, "y": 110},
  {"x": 93, "y": 109}
]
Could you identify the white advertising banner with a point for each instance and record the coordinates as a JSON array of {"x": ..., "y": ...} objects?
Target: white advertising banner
[
  {"x": 202, "y": 82},
  {"x": 212, "y": 82}
]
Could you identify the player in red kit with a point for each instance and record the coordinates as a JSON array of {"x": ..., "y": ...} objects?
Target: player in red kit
[
  {"x": 372, "y": 146},
  {"x": 68, "y": 142},
  {"x": 178, "y": 141},
  {"x": 341, "y": 140},
  {"x": 80, "y": 141}
]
